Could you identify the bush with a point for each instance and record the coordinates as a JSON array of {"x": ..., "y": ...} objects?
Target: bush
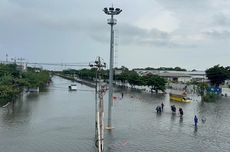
[{"x": 210, "y": 97}]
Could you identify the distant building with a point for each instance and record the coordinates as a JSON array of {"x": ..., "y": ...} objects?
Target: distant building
[
  {"x": 22, "y": 67},
  {"x": 227, "y": 82},
  {"x": 118, "y": 72},
  {"x": 178, "y": 76}
]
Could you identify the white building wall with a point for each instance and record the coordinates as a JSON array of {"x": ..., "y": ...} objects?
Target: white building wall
[{"x": 184, "y": 79}]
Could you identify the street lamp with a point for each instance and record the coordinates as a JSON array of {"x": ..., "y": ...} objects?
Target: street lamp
[{"x": 111, "y": 11}]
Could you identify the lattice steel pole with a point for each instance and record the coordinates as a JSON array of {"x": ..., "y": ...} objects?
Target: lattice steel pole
[{"x": 111, "y": 11}]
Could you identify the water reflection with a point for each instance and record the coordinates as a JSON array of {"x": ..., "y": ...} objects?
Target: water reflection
[
  {"x": 173, "y": 116},
  {"x": 181, "y": 121},
  {"x": 195, "y": 130},
  {"x": 158, "y": 114},
  {"x": 32, "y": 97},
  {"x": 16, "y": 114}
]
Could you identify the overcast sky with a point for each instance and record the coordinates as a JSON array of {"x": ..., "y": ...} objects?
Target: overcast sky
[{"x": 192, "y": 34}]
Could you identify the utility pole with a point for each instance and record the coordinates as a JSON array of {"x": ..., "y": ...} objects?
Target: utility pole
[
  {"x": 99, "y": 106},
  {"x": 14, "y": 60},
  {"x": 111, "y": 11},
  {"x": 20, "y": 60},
  {"x": 6, "y": 58}
]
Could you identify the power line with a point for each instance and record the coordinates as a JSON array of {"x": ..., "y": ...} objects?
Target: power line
[
  {"x": 45, "y": 63},
  {"x": 58, "y": 64}
]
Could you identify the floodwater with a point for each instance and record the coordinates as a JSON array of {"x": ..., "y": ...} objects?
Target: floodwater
[{"x": 57, "y": 120}]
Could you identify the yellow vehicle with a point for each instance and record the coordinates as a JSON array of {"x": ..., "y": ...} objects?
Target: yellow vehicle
[{"x": 179, "y": 97}]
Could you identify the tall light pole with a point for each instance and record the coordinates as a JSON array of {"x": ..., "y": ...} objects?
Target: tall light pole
[{"x": 111, "y": 11}]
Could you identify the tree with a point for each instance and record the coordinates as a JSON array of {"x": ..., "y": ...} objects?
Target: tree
[
  {"x": 133, "y": 78},
  {"x": 155, "y": 82},
  {"x": 217, "y": 74},
  {"x": 123, "y": 77},
  {"x": 201, "y": 87},
  {"x": 8, "y": 93},
  {"x": 179, "y": 69},
  {"x": 33, "y": 79}
]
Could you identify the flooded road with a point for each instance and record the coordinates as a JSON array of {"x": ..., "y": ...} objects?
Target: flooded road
[{"x": 57, "y": 120}]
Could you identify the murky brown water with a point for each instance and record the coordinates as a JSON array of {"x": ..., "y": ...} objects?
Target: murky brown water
[{"x": 61, "y": 121}]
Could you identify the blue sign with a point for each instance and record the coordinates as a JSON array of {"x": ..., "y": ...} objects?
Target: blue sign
[{"x": 215, "y": 90}]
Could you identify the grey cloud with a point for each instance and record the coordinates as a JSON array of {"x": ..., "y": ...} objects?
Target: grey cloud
[
  {"x": 186, "y": 5},
  {"x": 135, "y": 31},
  {"x": 129, "y": 34},
  {"x": 221, "y": 20},
  {"x": 137, "y": 36},
  {"x": 100, "y": 38},
  {"x": 219, "y": 34},
  {"x": 132, "y": 35},
  {"x": 61, "y": 24},
  {"x": 219, "y": 27}
]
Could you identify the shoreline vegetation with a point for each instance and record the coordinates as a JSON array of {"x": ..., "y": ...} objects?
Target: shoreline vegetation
[
  {"x": 216, "y": 76},
  {"x": 14, "y": 80},
  {"x": 156, "y": 83}
]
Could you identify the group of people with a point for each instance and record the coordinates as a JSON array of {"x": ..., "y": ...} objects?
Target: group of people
[
  {"x": 160, "y": 108},
  {"x": 173, "y": 109}
]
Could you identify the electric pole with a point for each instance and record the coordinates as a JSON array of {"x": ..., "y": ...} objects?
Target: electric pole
[
  {"x": 111, "y": 11},
  {"x": 100, "y": 90},
  {"x": 6, "y": 58}
]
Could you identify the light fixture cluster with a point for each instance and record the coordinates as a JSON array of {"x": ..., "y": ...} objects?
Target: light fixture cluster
[{"x": 112, "y": 11}]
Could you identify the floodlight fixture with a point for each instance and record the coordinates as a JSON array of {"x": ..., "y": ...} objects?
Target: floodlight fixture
[{"x": 112, "y": 11}]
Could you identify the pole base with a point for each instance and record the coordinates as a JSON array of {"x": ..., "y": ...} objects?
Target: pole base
[{"x": 109, "y": 128}]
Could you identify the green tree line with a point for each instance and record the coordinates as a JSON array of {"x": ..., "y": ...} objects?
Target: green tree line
[
  {"x": 163, "y": 68},
  {"x": 216, "y": 75},
  {"x": 13, "y": 81},
  {"x": 126, "y": 76}
]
